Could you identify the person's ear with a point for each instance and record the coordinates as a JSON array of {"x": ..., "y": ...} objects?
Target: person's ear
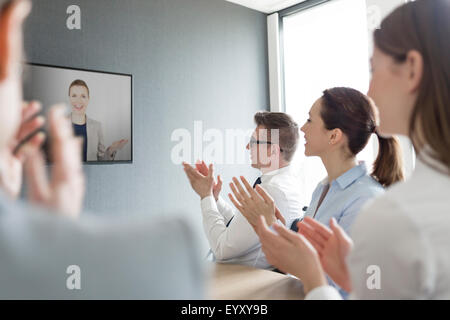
[
  {"x": 335, "y": 136},
  {"x": 11, "y": 20},
  {"x": 414, "y": 65},
  {"x": 275, "y": 150}
]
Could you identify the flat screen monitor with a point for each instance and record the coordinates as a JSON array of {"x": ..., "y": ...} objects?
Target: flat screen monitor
[{"x": 99, "y": 105}]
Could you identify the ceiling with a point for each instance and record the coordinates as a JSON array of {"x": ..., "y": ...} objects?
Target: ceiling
[{"x": 266, "y": 6}]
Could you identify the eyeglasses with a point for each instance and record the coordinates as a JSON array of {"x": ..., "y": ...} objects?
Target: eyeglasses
[{"x": 253, "y": 141}]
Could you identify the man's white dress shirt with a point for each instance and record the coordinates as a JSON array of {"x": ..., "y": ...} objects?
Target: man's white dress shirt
[
  {"x": 402, "y": 241},
  {"x": 238, "y": 243}
]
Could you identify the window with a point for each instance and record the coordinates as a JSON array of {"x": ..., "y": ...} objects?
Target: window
[
  {"x": 323, "y": 47},
  {"x": 325, "y": 43}
]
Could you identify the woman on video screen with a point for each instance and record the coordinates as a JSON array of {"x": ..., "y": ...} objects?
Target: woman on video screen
[{"x": 90, "y": 129}]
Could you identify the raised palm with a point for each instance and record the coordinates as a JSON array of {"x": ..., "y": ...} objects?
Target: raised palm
[
  {"x": 118, "y": 145},
  {"x": 217, "y": 186}
]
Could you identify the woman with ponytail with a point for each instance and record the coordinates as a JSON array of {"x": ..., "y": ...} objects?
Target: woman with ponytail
[
  {"x": 339, "y": 127},
  {"x": 349, "y": 120},
  {"x": 355, "y": 115}
]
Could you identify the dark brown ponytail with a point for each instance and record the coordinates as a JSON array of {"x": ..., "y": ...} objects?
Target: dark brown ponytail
[
  {"x": 388, "y": 167},
  {"x": 353, "y": 112}
]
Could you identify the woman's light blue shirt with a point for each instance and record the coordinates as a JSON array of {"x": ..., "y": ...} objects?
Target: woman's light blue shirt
[{"x": 345, "y": 198}]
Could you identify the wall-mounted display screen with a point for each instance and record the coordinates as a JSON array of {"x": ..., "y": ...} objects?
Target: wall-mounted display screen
[{"x": 99, "y": 105}]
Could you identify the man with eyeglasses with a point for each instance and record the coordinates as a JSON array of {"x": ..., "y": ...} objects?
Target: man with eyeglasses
[{"x": 272, "y": 146}]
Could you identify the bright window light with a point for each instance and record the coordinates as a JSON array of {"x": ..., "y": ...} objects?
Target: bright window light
[{"x": 325, "y": 46}]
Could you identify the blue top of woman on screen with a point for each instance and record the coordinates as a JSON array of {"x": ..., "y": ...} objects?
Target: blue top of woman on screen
[{"x": 81, "y": 131}]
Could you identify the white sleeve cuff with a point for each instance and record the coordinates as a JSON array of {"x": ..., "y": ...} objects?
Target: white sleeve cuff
[
  {"x": 323, "y": 293},
  {"x": 225, "y": 209},
  {"x": 209, "y": 204},
  {"x": 221, "y": 204}
]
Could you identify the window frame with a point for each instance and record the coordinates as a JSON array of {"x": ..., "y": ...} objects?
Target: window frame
[{"x": 305, "y": 5}]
